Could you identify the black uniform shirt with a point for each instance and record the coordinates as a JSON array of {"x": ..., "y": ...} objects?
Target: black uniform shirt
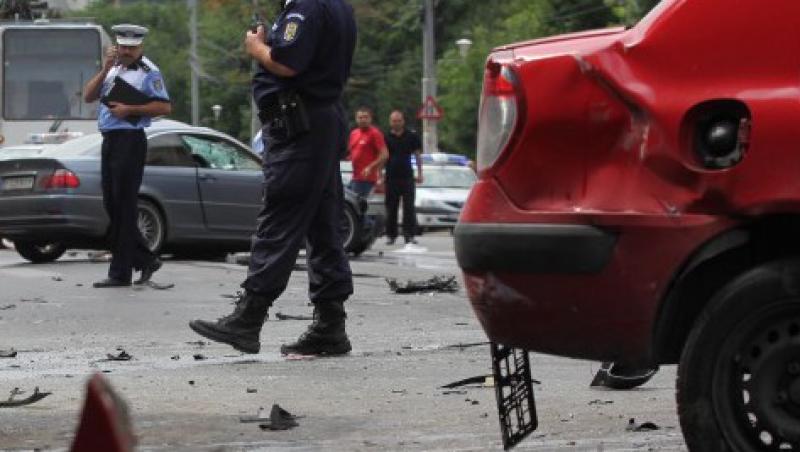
[
  {"x": 400, "y": 149},
  {"x": 315, "y": 38}
]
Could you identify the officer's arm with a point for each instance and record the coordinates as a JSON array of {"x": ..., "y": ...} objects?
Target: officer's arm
[
  {"x": 152, "y": 109},
  {"x": 92, "y": 89},
  {"x": 261, "y": 52}
]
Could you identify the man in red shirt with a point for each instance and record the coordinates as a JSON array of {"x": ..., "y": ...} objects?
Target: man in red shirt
[{"x": 367, "y": 152}]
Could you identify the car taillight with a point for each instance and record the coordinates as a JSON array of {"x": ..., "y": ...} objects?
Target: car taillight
[
  {"x": 498, "y": 113},
  {"x": 62, "y": 179}
]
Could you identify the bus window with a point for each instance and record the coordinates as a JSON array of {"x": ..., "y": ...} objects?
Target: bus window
[{"x": 44, "y": 71}]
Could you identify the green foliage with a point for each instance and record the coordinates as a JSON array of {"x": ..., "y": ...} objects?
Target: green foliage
[{"x": 387, "y": 69}]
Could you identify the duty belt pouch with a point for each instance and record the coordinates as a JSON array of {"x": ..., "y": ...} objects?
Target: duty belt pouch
[{"x": 293, "y": 114}]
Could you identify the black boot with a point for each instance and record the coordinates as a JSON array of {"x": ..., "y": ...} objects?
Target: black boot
[
  {"x": 325, "y": 335},
  {"x": 242, "y": 328}
]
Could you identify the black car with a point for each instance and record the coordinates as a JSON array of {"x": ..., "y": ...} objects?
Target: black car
[{"x": 200, "y": 196}]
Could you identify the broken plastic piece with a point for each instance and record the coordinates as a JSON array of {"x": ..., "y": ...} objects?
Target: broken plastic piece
[
  {"x": 446, "y": 284},
  {"x": 643, "y": 427},
  {"x": 122, "y": 356},
  {"x": 279, "y": 419},
  {"x": 11, "y": 403},
  {"x": 281, "y": 316},
  {"x": 617, "y": 376},
  {"x": 8, "y": 353},
  {"x": 480, "y": 379},
  {"x": 105, "y": 423}
]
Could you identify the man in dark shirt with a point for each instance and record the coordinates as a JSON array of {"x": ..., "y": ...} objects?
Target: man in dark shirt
[
  {"x": 402, "y": 144},
  {"x": 306, "y": 58}
]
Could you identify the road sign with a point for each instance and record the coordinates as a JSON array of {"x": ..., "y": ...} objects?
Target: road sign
[{"x": 430, "y": 110}]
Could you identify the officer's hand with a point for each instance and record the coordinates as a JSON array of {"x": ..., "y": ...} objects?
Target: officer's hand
[
  {"x": 119, "y": 110},
  {"x": 254, "y": 41},
  {"x": 110, "y": 58}
]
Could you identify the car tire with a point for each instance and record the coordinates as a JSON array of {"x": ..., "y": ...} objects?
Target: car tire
[
  {"x": 350, "y": 229},
  {"x": 151, "y": 224},
  {"x": 40, "y": 253},
  {"x": 738, "y": 377}
]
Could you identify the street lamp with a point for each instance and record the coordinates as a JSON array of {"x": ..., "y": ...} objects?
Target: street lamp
[
  {"x": 217, "y": 110},
  {"x": 463, "y": 45}
]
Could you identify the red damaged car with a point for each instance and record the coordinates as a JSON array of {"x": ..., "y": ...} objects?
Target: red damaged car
[{"x": 639, "y": 202}]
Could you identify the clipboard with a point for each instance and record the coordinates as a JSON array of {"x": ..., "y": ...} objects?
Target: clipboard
[{"x": 124, "y": 93}]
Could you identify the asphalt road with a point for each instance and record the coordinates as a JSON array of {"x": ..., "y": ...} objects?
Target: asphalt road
[{"x": 385, "y": 395}]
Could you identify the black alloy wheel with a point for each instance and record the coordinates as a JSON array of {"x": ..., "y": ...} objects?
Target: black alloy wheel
[
  {"x": 39, "y": 252},
  {"x": 151, "y": 224},
  {"x": 739, "y": 375}
]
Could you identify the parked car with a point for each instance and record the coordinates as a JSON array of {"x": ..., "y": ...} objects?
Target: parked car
[
  {"x": 638, "y": 202},
  {"x": 201, "y": 194},
  {"x": 447, "y": 180}
]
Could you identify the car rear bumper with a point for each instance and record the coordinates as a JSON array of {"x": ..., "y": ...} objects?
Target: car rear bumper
[
  {"x": 52, "y": 217},
  {"x": 533, "y": 248},
  {"x": 584, "y": 285}
]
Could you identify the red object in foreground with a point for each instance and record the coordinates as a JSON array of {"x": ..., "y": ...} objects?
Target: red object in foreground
[
  {"x": 639, "y": 202},
  {"x": 105, "y": 424}
]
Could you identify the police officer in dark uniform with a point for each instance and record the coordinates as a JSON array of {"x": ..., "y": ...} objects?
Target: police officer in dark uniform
[
  {"x": 124, "y": 149},
  {"x": 304, "y": 65}
]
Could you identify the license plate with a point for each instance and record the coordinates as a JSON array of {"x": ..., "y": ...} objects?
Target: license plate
[{"x": 18, "y": 183}]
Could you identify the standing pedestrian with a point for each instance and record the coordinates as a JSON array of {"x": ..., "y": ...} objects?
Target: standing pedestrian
[
  {"x": 304, "y": 65},
  {"x": 124, "y": 150},
  {"x": 402, "y": 143},
  {"x": 367, "y": 152}
]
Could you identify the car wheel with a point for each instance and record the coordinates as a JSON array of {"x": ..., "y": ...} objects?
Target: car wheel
[
  {"x": 40, "y": 253},
  {"x": 151, "y": 224},
  {"x": 349, "y": 229},
  {"x": 738, "y": 386}
]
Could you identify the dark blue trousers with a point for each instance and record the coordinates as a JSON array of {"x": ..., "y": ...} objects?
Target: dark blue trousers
[
  {"x": 303, "y": 203},
  {"x": 122, "y": 166}
]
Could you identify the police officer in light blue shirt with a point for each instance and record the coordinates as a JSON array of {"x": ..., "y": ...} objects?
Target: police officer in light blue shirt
[{"x": 121, "y": 120}]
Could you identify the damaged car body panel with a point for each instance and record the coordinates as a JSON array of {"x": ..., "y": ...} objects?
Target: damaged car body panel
[{"x": 628, "y": 175}]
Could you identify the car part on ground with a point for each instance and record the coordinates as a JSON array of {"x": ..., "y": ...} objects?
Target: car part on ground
[{"x": 622, "y": 377}]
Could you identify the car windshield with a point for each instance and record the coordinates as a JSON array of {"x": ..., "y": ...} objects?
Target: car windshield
[{"x": 448, "y": 177}]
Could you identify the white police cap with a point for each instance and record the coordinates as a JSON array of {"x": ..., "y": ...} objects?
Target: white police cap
[{"x": 129, "y": 35}]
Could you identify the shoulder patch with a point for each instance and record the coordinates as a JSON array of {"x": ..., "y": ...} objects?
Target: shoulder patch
[
  {"x": 158, "y": 84},
  {"x": 290, "y": 32}
]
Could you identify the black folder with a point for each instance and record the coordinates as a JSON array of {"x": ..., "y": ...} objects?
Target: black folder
[{"x": 124, "y": 93}]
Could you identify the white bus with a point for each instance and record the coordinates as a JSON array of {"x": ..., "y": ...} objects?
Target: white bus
[{"x": 45, "y": 65}]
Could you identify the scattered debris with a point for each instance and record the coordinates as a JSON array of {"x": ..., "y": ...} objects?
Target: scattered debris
[
  {"x": 198, "y": 343},
  {"x": 39, "y": 300},
  {"x": 467, "y": 345},
  {"x": 158, "y": 286},
  {"x": 121, "y": 356},
  {"x": 57, "y": 278},
  {"x": 480, "y": 379},
  {"x": 601, "y": 402},
  {"x": 455, "y": 391},
  {"x": 191, "y": 382},
  {"x": 399, "y": 391},
  {"x": 35, "y": 397},
  {"x": 252, "y": 390},
  {"x": 105, "y": 420},
  {"x": 99, "y": 256},
  {"x": 8, "y": 353},
  {"x": 279, "y": 419},
  {"x": 438, "y": 283},
  {"x": 199, "y": 357},
  {"x": 79, "y": 285},
  {"x": 281, "y": 316},
  {"x": 643, "y": 427},
  {"x": 7, "y": 307},
  {"x": 176, "y": 357},
  {"x": 621, "y": 377},
  {"x": 72, "y": 253}
]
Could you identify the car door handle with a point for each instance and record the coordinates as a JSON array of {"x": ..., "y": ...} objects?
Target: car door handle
[{"x": 207, "y": 178}]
